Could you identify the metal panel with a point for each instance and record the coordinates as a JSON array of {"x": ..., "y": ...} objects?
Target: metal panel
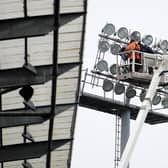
[
  {"x": 32, "y": 26},
  {"x": 28, "y": 150},
  {"x": 107, "y": 105}
]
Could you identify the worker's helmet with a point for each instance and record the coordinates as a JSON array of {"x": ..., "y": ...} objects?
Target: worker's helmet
[{"x": 136, "y": 36}]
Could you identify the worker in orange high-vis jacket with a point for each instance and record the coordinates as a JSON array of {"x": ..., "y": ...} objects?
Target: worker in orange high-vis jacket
[{"x": 133, "y": 45}]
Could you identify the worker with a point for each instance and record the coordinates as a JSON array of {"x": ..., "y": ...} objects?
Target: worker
[{"x": 133, "y": 45}]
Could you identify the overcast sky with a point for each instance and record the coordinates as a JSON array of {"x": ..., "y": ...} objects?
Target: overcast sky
[{"x": 94, "y": 137}]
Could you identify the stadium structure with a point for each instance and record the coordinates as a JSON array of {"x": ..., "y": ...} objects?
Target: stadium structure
[{"x": 41, "y": 44}]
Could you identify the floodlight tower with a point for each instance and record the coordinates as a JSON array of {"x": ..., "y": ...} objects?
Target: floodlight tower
[{"x": 124, "y": 91}]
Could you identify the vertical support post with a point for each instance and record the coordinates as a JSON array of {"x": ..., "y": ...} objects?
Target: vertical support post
[
  {"x": 125, "y": 130},
  {"x": 54, "y": 80}
]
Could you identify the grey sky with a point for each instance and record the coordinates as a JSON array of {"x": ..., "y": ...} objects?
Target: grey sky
[{"x": 94, "y": 138}]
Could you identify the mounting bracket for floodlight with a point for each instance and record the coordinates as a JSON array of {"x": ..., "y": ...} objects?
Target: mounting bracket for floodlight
[
  {"x": 27, "y": 165},
  {"x": 30, "y": 68},
  {"x": 29, "y": 104},
  {"x": 28, "y": 136}
]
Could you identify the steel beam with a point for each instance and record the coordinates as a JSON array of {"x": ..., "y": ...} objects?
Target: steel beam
[
  {"x": 107, "y": 105},
  {"x": 20, "y": 76},
  {"x": 28, "y": 150},
  {"x": 32, "y": 26},
  {"x": 19, "y": 117}
]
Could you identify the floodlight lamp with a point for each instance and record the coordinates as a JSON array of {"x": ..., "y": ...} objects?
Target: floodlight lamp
[
  {"x": 142, "y": 95},
  {"x": 115, "y": 49},
  {"x": 113, "y": 69},
  {"x": 163, "y": 45},
  {"x": 156, "y": 99},
  {"x": 108, "y": 29},
  {"x": 26, "y": 92},
  {"x": 103, "y": 46},
  {"x": 136, "y": 36},
  {"x": 122, "y": 32},
  {"x": 147, "y": 40},
  {"x": 102, "y": 65},
  {"x": 107, "y": 85},
  {"x": 130, "y": 92},
  {"x": 119, "y": 88},
  {"x": 165, "y": 102}
]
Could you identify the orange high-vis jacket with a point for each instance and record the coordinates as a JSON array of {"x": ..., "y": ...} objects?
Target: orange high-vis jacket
[{"x": 133, "y": 46}]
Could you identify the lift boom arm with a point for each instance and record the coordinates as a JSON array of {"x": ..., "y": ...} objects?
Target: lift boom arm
[{"x": 146, "y": 106}]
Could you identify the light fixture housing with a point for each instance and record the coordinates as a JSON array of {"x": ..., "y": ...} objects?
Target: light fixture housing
[
  {"x": 113, "y": 69},
  {"x": 130, "y": 92},
  {"x": 26, "y": 92},
  {"x": 122, "y": 32},
  {"x": 147, "y": 40},
  {"x": 119, "y": 88},
  {"x": 165, "y": 102},
  {"x": 102, "y": 65},
  {"x": 107, "y": 85},
  {"x": 108, "y": 29},
  {"x": 115, "y": 48},
  {"x": 156, "y": 99},
  {"x": 103, "y": 46},
  {"x": 142, "y": 95},
  {"x": 136, "y": 36},
  {"x": 163, "y": 45}
]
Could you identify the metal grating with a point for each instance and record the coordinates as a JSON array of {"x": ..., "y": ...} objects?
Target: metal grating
[{"x": 40, "y": 51}]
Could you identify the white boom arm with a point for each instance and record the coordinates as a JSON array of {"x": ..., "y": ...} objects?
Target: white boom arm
[{"x": 146, "y": 106}]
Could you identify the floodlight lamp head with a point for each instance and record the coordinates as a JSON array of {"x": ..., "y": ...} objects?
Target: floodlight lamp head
[
  {"x": 165, "y": 102},
  {"x": 103, "y": 46},
  {"x": 102, "y": 65},
  {"x": 122, "y": 33},
  {"x": 142, "y": 95},
  {"x": 107, "y": 85},
  {"x": 147, "y": 40},
  {"x": 113, "y": 69},
  {"x": 130, "y": 92},
  {"x": 135, "y": 36},
  {"x": 163, "y": 45},
  {"x": 115, "y": 48},
  {"x": 156, "y": 99},
  {"x": 119, "y": 88},
  {"x": 26, "y": 92},
  {"x": 108, "y": 29}
]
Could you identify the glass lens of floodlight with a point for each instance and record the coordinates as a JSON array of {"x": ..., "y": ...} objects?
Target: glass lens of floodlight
[
  {"x": 107, "y": 85},
  {"x": 103, "y": 46},
  {"x": 102, "y": 65},
  {"x": 119, "y": 88},
  {"x": 147, "y": 40},
  {"x": 115, "y": 48},
  {"x": 163, "y": 45},
  {"x": 113, "y": 69},
  {"x": 108, "y": 29},
  {"x": 122, "y": 33},
  {"x": 156, "y": 100},
  {"x": 142, "y": 95},
  {"x": 131, "y": 92},
  {"x": 136, "y": 36}
]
